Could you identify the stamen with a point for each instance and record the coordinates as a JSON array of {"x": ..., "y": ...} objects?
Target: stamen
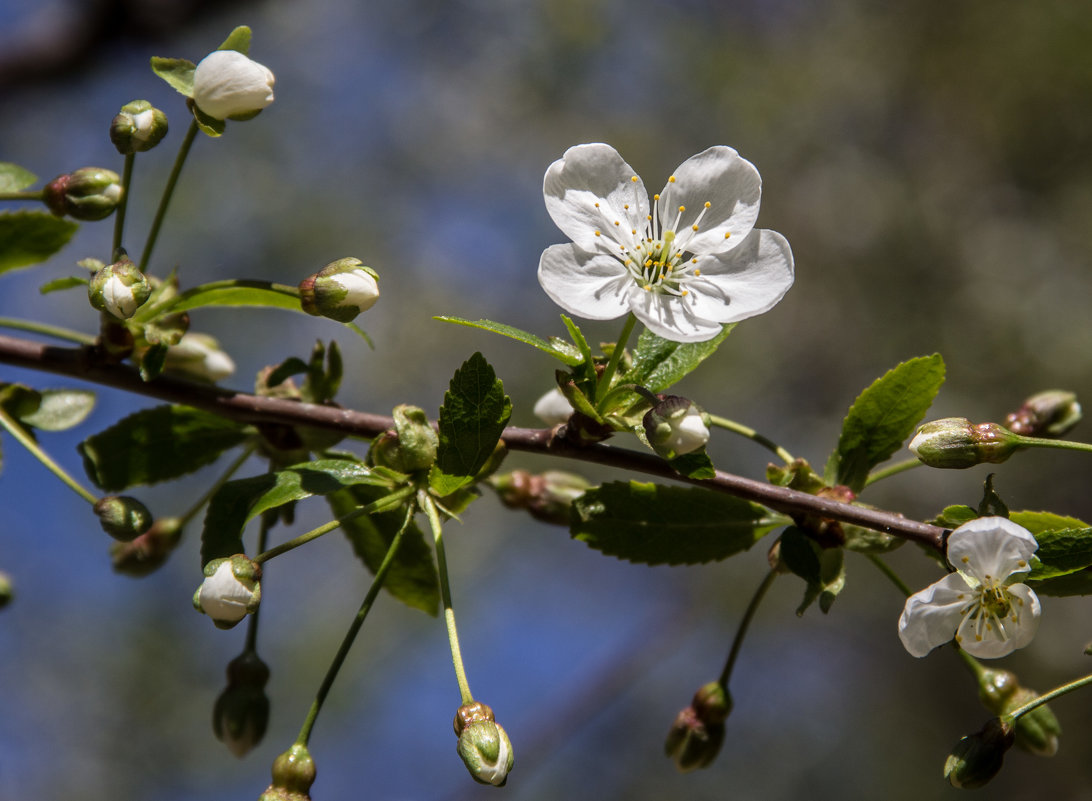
[{"x": 596, "y": 233}]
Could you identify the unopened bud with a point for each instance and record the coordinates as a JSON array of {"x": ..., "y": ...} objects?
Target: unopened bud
[
  {"x": 1037, "y": 731},
  {"x": 995, "y": 688},
  {"x": 231, "y": 590},
  {"x": 977, "y": 757},
  {"x": 675, "y": 426},
  {"x": 341, "y": 290},
  {"x": 553, "y": 408},
  {"x": 7, "y": 590},
  {"x": 122, "y": 517},
  {"x": 483, "y": 745},
  {"x": 954, "y": 442},
  {"x": 1047, "y": 414},
  {"x": 149, "y": 551},
  {"x": 698, "y": 732},
  {"x": 241, "y": 713},
  {"x": 293, "y": 775},
  {"x": 89, "y": 193},
  {"x": 199, "y": 356},
  {"x": 411, "y": 446},
  {"x": 119, "y": 289},
  {"x": 139, "y": 126},
  {"x": 227, "y": 83},
  {"x": 548, "y": 496}
]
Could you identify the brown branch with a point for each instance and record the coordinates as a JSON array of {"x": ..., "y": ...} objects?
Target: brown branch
[{"x": 86, "y": 364}]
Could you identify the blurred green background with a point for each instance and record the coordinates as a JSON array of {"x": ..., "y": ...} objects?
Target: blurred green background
[{"x": 931, "y": 164}]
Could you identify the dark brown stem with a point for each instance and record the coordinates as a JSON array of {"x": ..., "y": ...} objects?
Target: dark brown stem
[{"x": 86, "y": 364}]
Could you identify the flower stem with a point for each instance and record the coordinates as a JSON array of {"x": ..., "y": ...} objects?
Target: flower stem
[
  {"x": 741, "y": 632},
  {"x": 891, "y": 574},
  {"x": 350, "y": 635},
  {"x": 445, "y": 593},
  {"x": 1050, "y": 696},
  {"x": 47, "y": 330},
  {"x": 893, "y": 469},
  {"x": 268, "y": 521},
  {"x": 168, "y": 190},
  {"x": 1061, "y": 444},
  {"x": 11, "y": 425},
  {"x": 223, "y": 479},
  {"x": 119, "y": 213},
  {"x": 615, "y": 357},
  {"x": 384, "y": 504},
  {"x": 27, "y": 194},
  {"x": 751, "y": 434}
]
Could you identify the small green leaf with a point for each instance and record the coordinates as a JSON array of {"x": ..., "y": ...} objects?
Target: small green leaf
[
  {"x": 152, "y": 362},
  {"x": 991, "y": 503},
  {"x": 882, "y": 417},
  {"x": 60, "y": 409},
  {"x": 1078, "y": 583},
  {"x": 69, "y": 282},
  {"x": 412, "y": 577},
  {"x": 30, "y": 237},
  {"x": 576, "y": 398},
  {"x": 1065, "y": 543},
  {"x": 238, "y": 39},
  {"x": 653, "y": 524},
  {"x": 564, "y": 354},
  {"x": 14, "y": 178},
  {"x": 156, "y": 445},
  {"x": 238, "y": 502},
  {"x": 695, "y": 464},
  {"x": 954, "y": 516},
  {"x": 658, "y": 363},
  {"x": 208, "y": 125},
  {"x": 823, "y": 569},
  {"x": 177, "y": 72},
  {"x": 472, "y": 420},
  {"x": 237, "y": 293}
]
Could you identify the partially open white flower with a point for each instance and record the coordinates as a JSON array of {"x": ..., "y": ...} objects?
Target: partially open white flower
[
  {"x": 231, "y": 590},
  {"x": 979, "y": 605},
  {"x": 553, "y": 408},
  {"x": 684, "y": 265},
  {"x": 227, "y": 84}
]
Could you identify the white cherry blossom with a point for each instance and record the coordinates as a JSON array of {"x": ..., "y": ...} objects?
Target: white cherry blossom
[
  {"x": 684, "y": 264},
  {"x": 980, "y": 605},
  {"x": 226, "y": 83}
]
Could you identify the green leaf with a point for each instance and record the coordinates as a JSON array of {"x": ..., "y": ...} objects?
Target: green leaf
[
  {"x": 412, "y": 577},
  {"x": 658, "y": 363},
  {"x": 653, "y": 524},
  {"x": 156, "y": 445},
  {"x": 237, "y": 293},
  {"x": 954, "y": 516},
  {"x": 60, "y": 409},
  {"x": 178, "y": 72},
  {"x": 1065, "y": 543},
  {"x": 208, "y": 125},
  {"x": 238, "y": 502},
  {"x": 576, "y": 398},
  {"x": 69, "y": 282},
  {"x": 695, "y": 464},
  {"x": 823, "y": 569},
  {"x": 991, "y": 503},
  {"x": 29, "y": 237},
  {"x": 238, "y": 39},
  {"x": 152, "y": 362},
  {"x": 882, "y": 417},
  {"x": 472, "y": 420},
  {"x": 555, "y": 349},
  {"x": 14, "y": 178},
  {"x": 1078, "y": 583}
]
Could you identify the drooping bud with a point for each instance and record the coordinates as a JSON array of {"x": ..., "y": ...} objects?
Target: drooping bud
[
  {"x": 553, "y": 408},
  {"x": 241, "y": 713},
  {"x": 977, "y": 757},
  {"x": 483, "y": 746},
  {"x": 231, "y": 590},
  {"x": 122, "y": 517},
  {"x": 227, "y": 83},
  {"x": 341, "y": 290},
  {"x": 698, "y": 732},
  {"x": 199, "y": 356},
  {"x": 1046, "y": 414},
  {"x": 293, "y": 774},
  {"x": 7, "y": 590},
  {"x": 1037, "y": 731},
  {"x": 148, "y": 551},
  {"x": 410, "y": 447},
  {"x": 89, "y": 193},
  {"x": 675, "y": 426},
  {"x": 119, "y": 289},
  {"x": 548, "y": 496},
  {"x": 139, "y": 126},
  {"x": 954, "y": 442}
]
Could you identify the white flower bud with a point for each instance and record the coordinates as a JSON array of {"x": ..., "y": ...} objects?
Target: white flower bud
[
  {"x": 119, "y": 289},
  {"x": 675, "y": 427},
  {"x": 139, "y": 126},
  {"x": 231, "y": 590},
  {"x": 553, "y": 408},
  {"x": 228, "y": 84},
  {"x": 199, "y": 356},
  {"x": 341, "y": 290}
]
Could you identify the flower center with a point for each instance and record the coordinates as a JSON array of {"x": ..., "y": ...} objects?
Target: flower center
[{"x": 990, "y": 612}]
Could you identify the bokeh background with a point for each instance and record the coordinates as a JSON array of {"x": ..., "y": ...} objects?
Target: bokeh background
[{"x": 931, "y": 164}]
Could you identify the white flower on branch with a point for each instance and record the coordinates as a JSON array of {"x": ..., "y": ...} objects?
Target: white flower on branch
[
  {"x": 980, "y": 604},
  {"x": 228, "y": 84},
  {"x": 684, "y": 265}
]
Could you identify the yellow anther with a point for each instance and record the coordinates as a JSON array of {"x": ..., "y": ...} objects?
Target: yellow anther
[
  {"x": 616, "y": 222},
  {"x": 597, "y": 205},
  {"x": 697, "y": 273},
  {"x": 708, "y": 204},
  {"x": 633, "y": 231},
  {"x": 625, "y": 206},
  {"x": 634, "y": 179},
  {"x": 966, "y": 559},
  {"x": 655, "y": 197},
  {"x": 598, "y": 234},
  {"x": 685, "y": 292},
  {"x": 727, "y": 234},
  {"x": 648, "y": 263},
  {"x": 695, "y": 227},
  {"x": 1022, "y": 563},
  {"x": 648, "y": 287},
  {"x": 682, "y": 208},
  {"x": 671, "y": 180}
]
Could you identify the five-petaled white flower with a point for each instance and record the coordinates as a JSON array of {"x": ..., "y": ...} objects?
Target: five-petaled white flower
[
  {"x": 989, "y": 615},
  {"x": 684, "y": 265}
]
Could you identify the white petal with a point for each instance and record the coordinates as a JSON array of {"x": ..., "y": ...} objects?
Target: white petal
[
  {"x": 1027, "y": 610},
  {"x": 992, "y": 547},
  {"x": 589, "y": 285},
  {"x": 985, "y": 639},
  {"x": 743, "y": 282},
  {"x": 732, "y": 187},
  {"x": 227, "y": 83},
  {"x": 670, "y": 316},
  {"x": 553, "y": 408},
  {"x": 930, "y": 617},
  {"x": 590, "y": 174}
]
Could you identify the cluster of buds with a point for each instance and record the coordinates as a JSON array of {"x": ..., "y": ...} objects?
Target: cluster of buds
[
  {"x": 483, "y": 745},
  {"x": 138, "y": 127},
  {"x": 675, "y": 426},
  {"x": 956, "y": 442},
  {"x": 341, "y": 290},
  {"x": 229, "y": 85},
  {"x": 231, "y": 590},
  {"x": 1037, "y": 731},
  {"x": 90, "y": 193},
  {"x": 122, "y": 517},
  {"x": 241, "y": 713},
  {"x": 119, "y": 289},
  {"x": 1047, "y": 414},
  {"x": 698, "y": 732},
  {"x": 547, "y": 496},
  {"x": 293, "y": 775}
]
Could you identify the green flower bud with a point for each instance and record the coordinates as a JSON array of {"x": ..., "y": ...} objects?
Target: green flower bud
[
  {"x": 1037, "y": 731},
  {"x": 483, "y": 745},
  {"x": 122, "y": 517},
  {"x": 293, "y": 774},
  {"x": 977, "y": 757},
  {"x": 148, "y": 551},
  {"x": 231, "y": 590},
  {"x": 995, "y": 688},
  {"x": 139, "y": 126},
  {"x": 228, "y": 84},
  {"x": 90, "y": 193},
  {"x": 7, "y": 590},
  {"x": 198, "y": 356},
  {"x": 548, "y": 497},
  {"x": 119, "y": 289},
  {"x": 341, "y": 290},
  {"x": 410, "y": 447},
  {"x": 241, "y": 713},
  {"x": 954, "y": 442},
  {"x": 1047, "y": 414},
  {"x": 698, "y": 732},
  {"x": 675, "y": 426}
]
